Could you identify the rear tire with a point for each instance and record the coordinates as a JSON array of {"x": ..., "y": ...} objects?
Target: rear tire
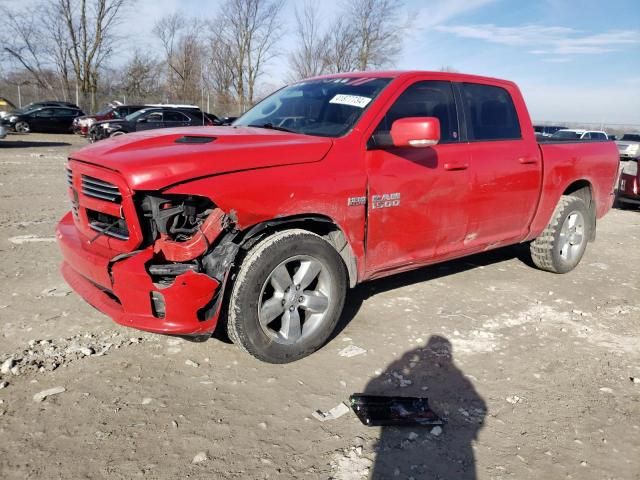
[
  {"x": 561, "y": 245},
  {"x": 287, "y": 297}
]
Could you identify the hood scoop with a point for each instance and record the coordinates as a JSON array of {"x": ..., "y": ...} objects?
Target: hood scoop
[{"x": 195, "y": 139}]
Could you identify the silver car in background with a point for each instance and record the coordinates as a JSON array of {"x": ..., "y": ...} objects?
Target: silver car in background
[
  {"x": 3, "y": 132},
  {"x": 629, "y": 146}
]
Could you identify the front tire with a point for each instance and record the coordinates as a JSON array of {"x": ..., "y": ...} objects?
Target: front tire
[
  {"x": 287, "y": 297},
  {"x": 561, "y": 245},
  {"x": 22, "y": 127}
]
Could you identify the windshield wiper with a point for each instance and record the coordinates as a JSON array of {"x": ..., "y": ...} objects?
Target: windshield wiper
[{"x": 271, "y": 126}]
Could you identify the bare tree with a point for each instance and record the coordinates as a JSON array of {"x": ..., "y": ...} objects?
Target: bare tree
[
  {"x": 89, "y": 26},
  {"x": 312, "y": 55},
  {"x": 342, "y": 54},
  {"x": 377, "y": 28},
  {"x": 220, "y": 71},
  {"x": 366, "y": 35},
  {"x": 249, "y": 30},
  {"x": 139, "y": 77},
  {"x": 58, "y": 50},
  {"x": 24, "y": 43},
  {"x": 183, "y": 47}
]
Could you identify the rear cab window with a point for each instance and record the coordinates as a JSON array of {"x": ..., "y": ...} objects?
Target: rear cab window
[{"x": 490, "y": 113}]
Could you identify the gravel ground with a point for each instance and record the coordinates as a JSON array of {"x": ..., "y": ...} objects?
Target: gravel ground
[{"x": 532, "y": 370}]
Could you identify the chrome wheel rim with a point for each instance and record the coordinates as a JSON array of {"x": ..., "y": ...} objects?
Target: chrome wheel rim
[
  {"x": 22, "y": 127},
  {"x": 571, "y": 236},
  {"x": 295, "y": 300}
]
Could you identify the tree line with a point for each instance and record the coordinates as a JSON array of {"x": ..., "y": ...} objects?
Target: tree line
[{"x": 73, "y": 49}]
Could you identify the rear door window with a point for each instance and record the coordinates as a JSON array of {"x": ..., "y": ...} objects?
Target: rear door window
[
  {"x": 175, "y": 117},
  {"x": 490, "y": 113}
]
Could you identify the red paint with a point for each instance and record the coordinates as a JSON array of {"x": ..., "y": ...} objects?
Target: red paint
[{"x": 454, "y": 199}]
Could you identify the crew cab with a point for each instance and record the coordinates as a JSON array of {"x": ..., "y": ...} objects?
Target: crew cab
[{"x": 261, "y": 227}]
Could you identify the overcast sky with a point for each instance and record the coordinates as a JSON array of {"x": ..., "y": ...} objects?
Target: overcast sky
[{"x": 574, "y": 60}]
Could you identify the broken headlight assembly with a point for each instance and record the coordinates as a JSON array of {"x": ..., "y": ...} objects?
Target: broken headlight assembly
[
  {"x": 181, "y": 228},
  {"x": 174, "y": 217}
]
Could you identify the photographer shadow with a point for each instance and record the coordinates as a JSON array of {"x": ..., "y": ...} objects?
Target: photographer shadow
[{"x": 423, "y": 452}]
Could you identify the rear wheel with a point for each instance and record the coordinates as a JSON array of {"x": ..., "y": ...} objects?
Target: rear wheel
[
  {"x": 287, "y": 297},
  {"x": 22, "y": 127},
  {"x": 561, "y": 245}
]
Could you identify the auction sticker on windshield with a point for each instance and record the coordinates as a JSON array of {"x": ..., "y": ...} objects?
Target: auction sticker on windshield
[{"x": 352, "y": 100}]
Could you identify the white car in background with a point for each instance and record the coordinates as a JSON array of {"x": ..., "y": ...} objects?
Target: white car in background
[{"x": 579, "y": 134}]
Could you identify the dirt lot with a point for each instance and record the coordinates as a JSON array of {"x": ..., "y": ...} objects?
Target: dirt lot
[{"x": 531, "y": 369}]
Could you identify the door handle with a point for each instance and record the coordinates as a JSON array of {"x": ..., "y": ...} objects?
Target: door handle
[
  {"x": 527, "y": 161},
  {"x": 456, "y": 166}
]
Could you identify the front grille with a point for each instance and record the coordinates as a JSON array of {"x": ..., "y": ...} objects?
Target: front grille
[
  {"x": 92, "y": 187},
  {"x": 108, "y": 224},
  {"x": 69, "y": 177}
]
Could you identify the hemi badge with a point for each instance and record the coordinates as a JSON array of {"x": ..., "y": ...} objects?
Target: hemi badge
[{"x": 355, "y": 201}]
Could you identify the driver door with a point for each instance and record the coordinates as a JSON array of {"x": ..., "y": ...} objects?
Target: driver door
[
  {"x": 418, "y": 197},
  {"x": 41, "y": 120}
]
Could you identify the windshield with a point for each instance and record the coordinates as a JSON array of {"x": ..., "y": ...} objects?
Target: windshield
[
  {"x": 328, "y": 107},
  {"x": 566, "y": 135},
  {"x": 631, "y": 137},
  {"x": 132, "y": 116}
]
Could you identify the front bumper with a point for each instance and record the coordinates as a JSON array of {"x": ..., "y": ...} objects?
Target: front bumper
[{"x": 123, "y": 289}]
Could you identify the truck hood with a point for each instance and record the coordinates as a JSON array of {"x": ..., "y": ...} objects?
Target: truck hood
[{"x": 156, "y": 159}]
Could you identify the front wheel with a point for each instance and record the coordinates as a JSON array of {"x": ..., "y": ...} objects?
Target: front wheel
[
  {"x": 561, "y": 245},
  {"x": 22, "y": 127},
  {"x": 287, "y": 297}
]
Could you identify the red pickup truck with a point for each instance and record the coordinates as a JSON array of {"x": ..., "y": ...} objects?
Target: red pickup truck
[{"x": 329, "y": 182}]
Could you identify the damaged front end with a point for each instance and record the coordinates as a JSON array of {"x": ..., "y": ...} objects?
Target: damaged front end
[{"x": 167, "y": 274}]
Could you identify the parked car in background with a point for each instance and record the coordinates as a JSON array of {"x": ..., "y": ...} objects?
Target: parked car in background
[
  {"x": 629, "y": 146},
  {"x": 3, "y": 131},
  {"x": 150, "y": 118},
  {"x": 81, "y": 125},
  {"x": 47, "y": 103},
  {"x": 43, "y": 119},
  {"x": 628, "y": 194},
  {"x": 579, "y": 134},
  {"x": 546, "y": 130}
]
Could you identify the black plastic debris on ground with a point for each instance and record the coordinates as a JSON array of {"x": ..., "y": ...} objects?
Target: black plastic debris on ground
[{"x": 379, "y": 410}]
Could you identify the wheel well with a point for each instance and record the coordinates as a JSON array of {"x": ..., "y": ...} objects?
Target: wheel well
[
  {"x": 582, "y": 189},
  {"x": 318, "y": 224}
]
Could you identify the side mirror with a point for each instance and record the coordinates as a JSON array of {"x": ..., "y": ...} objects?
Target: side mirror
[{"x": 417, "y": 132}]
